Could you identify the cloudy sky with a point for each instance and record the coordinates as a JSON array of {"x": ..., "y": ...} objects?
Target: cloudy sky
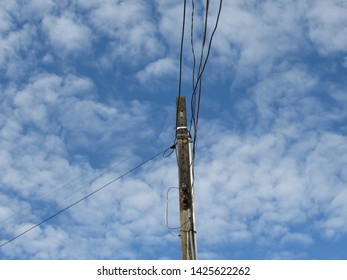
[{"x": 87, "y": 93}]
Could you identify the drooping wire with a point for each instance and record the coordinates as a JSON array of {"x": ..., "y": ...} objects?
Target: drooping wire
[
  {"x": 181, "y": 62},
  {"x": 198, "y": 84},
  {"x": 199, "y": 81},
  {"x": 169, "y": 151},
  {"x": 167, "y": 210},
  {"x": 181, "y": 48},
  {"x": 83, "y": 198},
  {"x": 194, "y": 62},
  {"x": 210, "y": 43},
  {"x": 40, "y": 198},
  {"x": 53, "y": 207},
  {"x": 166, "y": 214}
]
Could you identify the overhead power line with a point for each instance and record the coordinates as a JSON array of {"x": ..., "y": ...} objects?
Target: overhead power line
[
  {"x": 181, "y": 48},
  {"x": 85, "y": 197},
  {"x": 192, "y": 42},
  {"x": 195, "y": 101},
  {"x": 181, "y": 54}
]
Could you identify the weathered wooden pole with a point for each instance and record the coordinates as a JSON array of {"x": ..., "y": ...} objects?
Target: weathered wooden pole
[{"x": 186, "y": 194}]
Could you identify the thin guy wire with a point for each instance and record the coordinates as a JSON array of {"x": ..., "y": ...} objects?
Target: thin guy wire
[
  {"x": 70, "y": 195},
  {"x": 40, "y": 198},
  {"x": 83, "y": 198}
]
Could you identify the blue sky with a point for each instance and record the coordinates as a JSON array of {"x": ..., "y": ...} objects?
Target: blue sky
[{"x": 87, "y": 91}]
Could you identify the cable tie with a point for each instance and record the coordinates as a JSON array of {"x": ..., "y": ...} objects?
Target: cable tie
[{"x": 181, "y": 127}]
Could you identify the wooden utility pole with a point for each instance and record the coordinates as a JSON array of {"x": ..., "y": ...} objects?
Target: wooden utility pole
[{"x": 186, "y": 193}]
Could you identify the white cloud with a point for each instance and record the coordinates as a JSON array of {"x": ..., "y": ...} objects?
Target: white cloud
[
  {"x": 130, "y": 27},
  {"x": 252, "y": 189},
  {"x": 32, "y": 102},
  {"x": 160, "y": 69},
  {"x": 15, "y": 48},
  {"x": 111, "y": 16},
  {"x": 298, "y": 239},
  {"x": 170, "y": 25},
  {"x": 254, "y": 36},
  {"x": 5, "y": 22},
  {"x": 66, "y": 34},
  {"x": 278, "y": 96},
  {"x": 36, "y": 9},
  {"x": 38, "y": 243},
  {"x": 328, "y": 21}
]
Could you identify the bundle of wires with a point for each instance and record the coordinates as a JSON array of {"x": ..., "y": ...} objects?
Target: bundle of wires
[{"x": 197, "y": 78}]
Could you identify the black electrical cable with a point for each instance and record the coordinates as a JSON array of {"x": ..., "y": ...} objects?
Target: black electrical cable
[
  {"x": 199, "y": 81},
  {"x": 181, "y": 48},
  {"x": 192, "y": 102},
  {"x": 209, "y": 46},
  {"x": 201, "y": 71},
  {"x": 83, "y": 198},
  {"x": 181, "y": 62}
]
